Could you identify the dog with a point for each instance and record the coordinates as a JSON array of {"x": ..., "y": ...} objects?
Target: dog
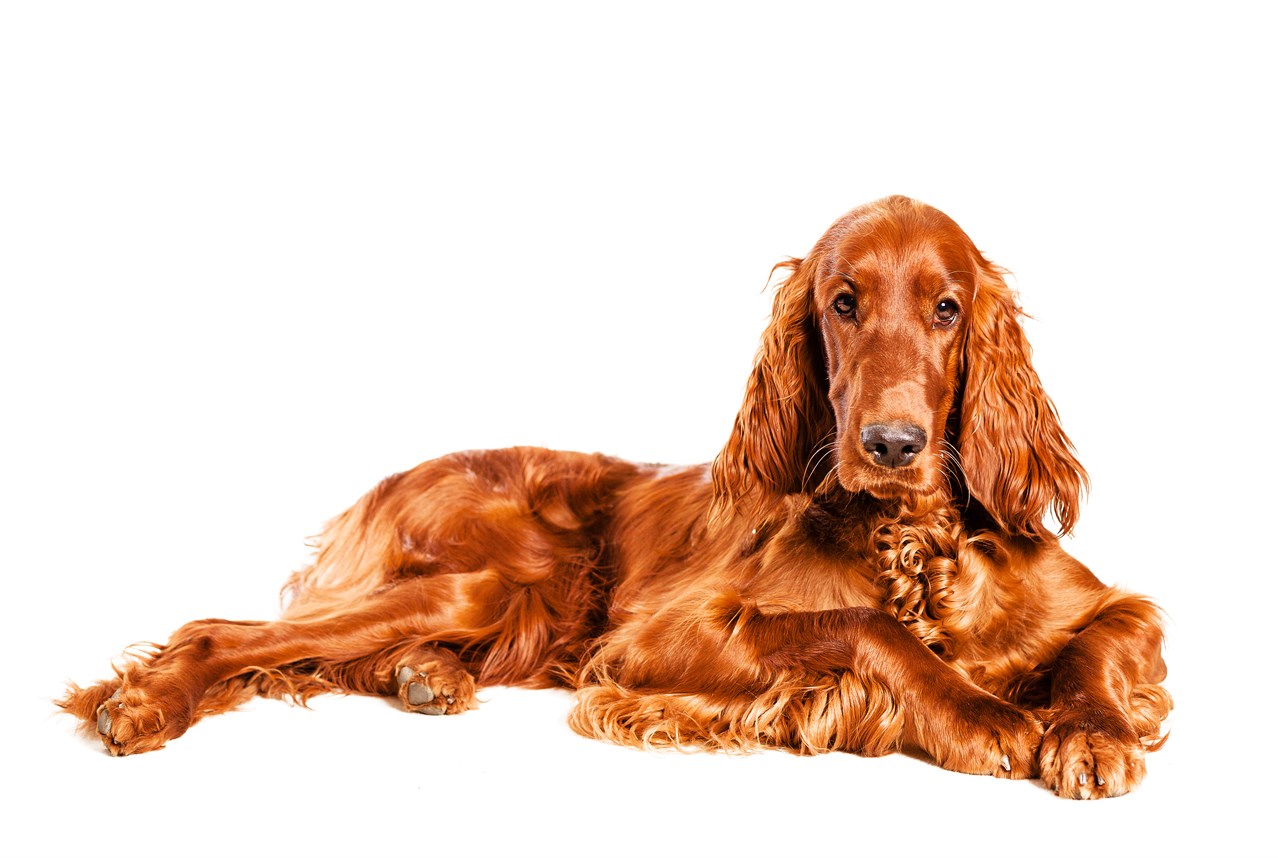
[{"x": 867, "y": 565}]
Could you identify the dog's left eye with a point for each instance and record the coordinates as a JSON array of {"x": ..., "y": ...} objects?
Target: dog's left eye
[
  {"x": 946, "y": 313},
  {"x": 845, "y": 305}
]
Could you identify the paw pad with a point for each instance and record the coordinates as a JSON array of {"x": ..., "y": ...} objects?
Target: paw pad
[
  {"x": 104, "y": 713},
  {"x": 415, "y": 691}
]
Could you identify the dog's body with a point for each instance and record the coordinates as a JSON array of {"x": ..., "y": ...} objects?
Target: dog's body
[{"x": 864, "y": 566}]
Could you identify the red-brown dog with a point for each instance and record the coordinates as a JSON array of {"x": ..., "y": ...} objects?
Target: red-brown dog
[{"x": 864, "y": 566}]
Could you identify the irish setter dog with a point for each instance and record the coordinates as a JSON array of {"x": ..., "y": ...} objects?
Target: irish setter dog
[{"x": 864, "y": 567}]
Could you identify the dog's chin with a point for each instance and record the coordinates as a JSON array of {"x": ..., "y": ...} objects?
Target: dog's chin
[{"x": 887, "y": 484}]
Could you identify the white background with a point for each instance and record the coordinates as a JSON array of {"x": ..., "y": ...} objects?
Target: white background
[{"x": 256, "y": 256}]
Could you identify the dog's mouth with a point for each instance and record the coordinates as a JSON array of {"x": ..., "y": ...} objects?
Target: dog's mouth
[
  {"x": 884, "y": 483},
  {"x": 895, "y": 487}
]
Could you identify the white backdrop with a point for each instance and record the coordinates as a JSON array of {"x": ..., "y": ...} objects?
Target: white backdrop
[{"x": 256, "y": 256}]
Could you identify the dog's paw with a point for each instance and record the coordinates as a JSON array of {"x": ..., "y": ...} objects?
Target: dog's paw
[
  {"x": 989, "y": 736},
  {"x": 1092, "y": 754},
  {"x": 131, "y": 722},
  {"x": 435, "y": 688}
]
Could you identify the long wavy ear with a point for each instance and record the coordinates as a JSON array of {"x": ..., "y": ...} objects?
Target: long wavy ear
[
  {"x": 1018, "y": 461},
  {"x": 786, "y": 413}
]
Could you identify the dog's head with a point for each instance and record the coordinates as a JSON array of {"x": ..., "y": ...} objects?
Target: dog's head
[{"x": 894, "y": 363}]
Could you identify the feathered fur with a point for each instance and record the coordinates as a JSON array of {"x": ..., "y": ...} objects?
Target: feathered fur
[{"x": 864, "y": 567}]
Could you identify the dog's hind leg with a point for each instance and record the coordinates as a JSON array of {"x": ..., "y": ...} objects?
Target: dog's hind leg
[
  {"x": 425, "y": 677},
  {"x": 212, "y": 665}
]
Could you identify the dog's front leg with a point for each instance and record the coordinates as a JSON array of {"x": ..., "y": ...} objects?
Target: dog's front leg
[
  {"x": 1106, "y": 705},
  {"x": 851, "y": 679}
]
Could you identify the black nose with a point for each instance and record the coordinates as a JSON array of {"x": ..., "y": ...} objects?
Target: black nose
[{"x": 893, "y": 445}]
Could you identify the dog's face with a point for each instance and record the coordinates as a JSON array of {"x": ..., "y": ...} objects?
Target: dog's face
[
  {"x": 892, "y": 292},
  {"x": 895, "y": 361}
]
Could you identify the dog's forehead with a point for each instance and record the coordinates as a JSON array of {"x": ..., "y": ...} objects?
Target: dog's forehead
[{"x": 901, "y": 241}]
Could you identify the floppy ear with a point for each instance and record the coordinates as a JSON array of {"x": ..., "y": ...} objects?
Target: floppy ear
[
  {"x": 786, "y": 413},
  {"x": 1017, "y": 459}
]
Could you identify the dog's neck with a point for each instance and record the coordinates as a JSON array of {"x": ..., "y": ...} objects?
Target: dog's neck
[
  {"x": 917, "y": 550},
  {"x": 916, "y": 542}
]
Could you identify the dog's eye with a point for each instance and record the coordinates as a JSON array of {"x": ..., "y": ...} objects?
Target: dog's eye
[
  {"x": 845, "y": 305},
  {"x": 946, "y": 313}
]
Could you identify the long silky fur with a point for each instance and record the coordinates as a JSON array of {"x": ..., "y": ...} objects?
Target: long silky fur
[{"x": 777, "y": 597}]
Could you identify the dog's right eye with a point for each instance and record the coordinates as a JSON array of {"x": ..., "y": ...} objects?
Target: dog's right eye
[{"x": 845, "y": 305}]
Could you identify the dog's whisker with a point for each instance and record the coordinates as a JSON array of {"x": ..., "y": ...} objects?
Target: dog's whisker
[{"x": 818, "y": 456}]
